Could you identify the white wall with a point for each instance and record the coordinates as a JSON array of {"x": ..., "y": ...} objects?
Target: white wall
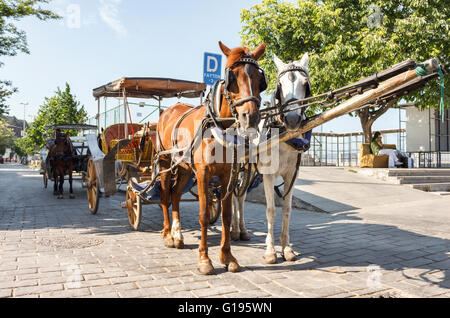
[{"x": 418, "y": 130}]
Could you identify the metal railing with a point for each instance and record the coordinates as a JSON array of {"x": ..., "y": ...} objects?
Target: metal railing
[
  {"x": 431, "y": 159},
  {"x": 341, "y": 150},
  {"x": 140, "y": 114}
]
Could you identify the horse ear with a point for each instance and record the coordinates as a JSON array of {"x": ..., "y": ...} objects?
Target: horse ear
[
  {"x": 225, "y": 49},
  {"x": 279, "y": 63},
  {"x": 304, "y": 62},
  {"x": 259, "y": 52}
]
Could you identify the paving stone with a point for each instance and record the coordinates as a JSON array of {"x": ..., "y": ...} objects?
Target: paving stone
[
  {"x": 142, "y": 292},
  {"x": 82, "y": 292},
  {"x": 113, "y": 288},
  {"x": 22, "y": 291},
  {"x": 4, "y": 293},
  {"x": 215, "y": 291}
]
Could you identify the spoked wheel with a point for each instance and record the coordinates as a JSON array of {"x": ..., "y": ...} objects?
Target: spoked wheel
[
  {"x": 93, "y": 191},
  {"x": 134, "y": 209},
  {"x": 215, "y": 208},
  {"x": 45, "y": 179}
]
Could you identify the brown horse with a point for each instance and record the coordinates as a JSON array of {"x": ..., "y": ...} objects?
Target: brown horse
[
  {"x": 239, "y": 100},
  {"x": 62, "y": 164}
]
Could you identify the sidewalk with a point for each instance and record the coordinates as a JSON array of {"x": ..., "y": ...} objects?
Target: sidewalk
[{"x": 338, "y": 190}]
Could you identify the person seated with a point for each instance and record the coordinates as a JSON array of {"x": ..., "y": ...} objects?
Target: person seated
[{"x": 397, "y": 159}]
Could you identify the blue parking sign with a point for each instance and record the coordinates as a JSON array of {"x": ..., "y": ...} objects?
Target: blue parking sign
[{"x": 212, "y": 68}]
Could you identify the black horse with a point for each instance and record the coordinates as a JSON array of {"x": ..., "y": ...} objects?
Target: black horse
[{"x": 62, "y": 163}]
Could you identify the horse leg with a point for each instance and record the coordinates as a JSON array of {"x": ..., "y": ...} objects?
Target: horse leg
[
  {"x": 270, "y": 257},
  {"x": 287, "y": 252},
  {"x": 165, "y": 202},
  {"x": 235, "y": 231},
  {"x": 72, "y": 196},
  {"x": 204, "y": 264},
  {"x": 226, "y": 257},
  {"x": 239, "y": 231},
  {"x": 182, "y": 180},
  {"x": 55, "y": 181},
  {"x": 61, "y": 183},
  {"x": 244, "y": 233}
]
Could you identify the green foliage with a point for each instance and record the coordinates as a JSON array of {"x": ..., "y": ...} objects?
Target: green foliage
[
  {"x": 13, "y": 40},
  {"x": 63, "y": 108},
  {"x": 348, "y": 39},
  {"x": 6, "y": 137},
  {"x": 13, "y": 120},
  {"x": 5, "y": 92}
]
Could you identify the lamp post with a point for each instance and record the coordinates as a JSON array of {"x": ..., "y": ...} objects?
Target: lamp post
[{"x": 24, "y": 104}]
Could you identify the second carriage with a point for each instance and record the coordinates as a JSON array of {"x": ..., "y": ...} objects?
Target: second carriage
[{"x": 126, "y": 151}]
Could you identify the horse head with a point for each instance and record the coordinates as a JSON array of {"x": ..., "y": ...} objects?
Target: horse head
[
  {"x": 62, "y": 145},
  {"x": 292, "y": 84},
  {"x": 244, "y": 82}
]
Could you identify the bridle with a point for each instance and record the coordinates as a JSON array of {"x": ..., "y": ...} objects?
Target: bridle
[
  {"x": 230, "y": 78},
  {"x": 60, "y": 146},
  {"x": 281, "y": 117},
  {"x": 279, "y": 89}
]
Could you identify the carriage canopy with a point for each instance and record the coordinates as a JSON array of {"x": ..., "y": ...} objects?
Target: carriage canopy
[
  {"x": 148, "y": 87},
  {"x": 71, "y": 127}
]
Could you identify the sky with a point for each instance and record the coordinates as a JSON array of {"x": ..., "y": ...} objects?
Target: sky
[{"x": 99, "y": 41}]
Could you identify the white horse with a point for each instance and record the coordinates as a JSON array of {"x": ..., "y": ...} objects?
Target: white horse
[{"x": 292, "y": 84}]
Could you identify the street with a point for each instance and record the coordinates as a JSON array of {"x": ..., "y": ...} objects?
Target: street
[{"x": 56, "y": 248}]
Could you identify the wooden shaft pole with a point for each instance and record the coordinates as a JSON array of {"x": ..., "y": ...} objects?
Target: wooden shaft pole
[{"x": 348, "y": 106}]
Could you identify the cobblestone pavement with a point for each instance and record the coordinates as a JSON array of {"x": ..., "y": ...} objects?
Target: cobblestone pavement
[{"x": 56, "y": 248}]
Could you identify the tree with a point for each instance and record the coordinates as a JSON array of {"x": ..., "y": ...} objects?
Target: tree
[
  {"x": 351, "y": 39},
  {"x": 62, "y": 108},
  {"x": 14, "y": 41},
  {"x": 6, "y": 137}
]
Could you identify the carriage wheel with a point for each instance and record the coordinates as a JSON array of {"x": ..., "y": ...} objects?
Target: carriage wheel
[
  {"x": 215, "y": 208},
  {"x": 45, "y": 179},
  {"x": 93, "y": 191},
  {"x": 134, "y": 209}
]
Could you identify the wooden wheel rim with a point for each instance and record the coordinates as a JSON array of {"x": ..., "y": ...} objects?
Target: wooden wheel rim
[
  {"x": 92, "y": 186},
  {"x": 134, "y": 209},
  {"x": 215, "y": 208}
]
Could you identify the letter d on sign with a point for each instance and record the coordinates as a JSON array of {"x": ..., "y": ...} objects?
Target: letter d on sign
[{"x": 211, "y": 60}]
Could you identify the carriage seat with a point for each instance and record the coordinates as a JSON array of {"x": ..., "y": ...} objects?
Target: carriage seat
[
  {"x": 368, "y": 160},
  {"x": 116, "y": 132}
]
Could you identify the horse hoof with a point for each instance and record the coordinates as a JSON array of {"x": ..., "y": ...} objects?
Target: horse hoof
[
  {"x": 270, "y": 258},
  {"x": 235, "y": 236},
  {"x": 72, "y": 196},
  {"x": 179, "y": 244},
  {"x": 245, "y": 236},
  {"x": 289, "y": 256},
  {"x": 60, "y": 197},
  {"x": 233, "y": 267},
  {"x": 168, "y": 242},
  {"x": 206, "y": 269}
]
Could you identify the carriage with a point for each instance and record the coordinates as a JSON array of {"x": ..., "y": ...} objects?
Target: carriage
[
  {"x": 126, "y": 151},
  {"x": 80, "y": 152}
]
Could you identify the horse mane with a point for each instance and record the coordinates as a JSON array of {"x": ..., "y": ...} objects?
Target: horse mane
[{"x": 236, "y": 54}]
